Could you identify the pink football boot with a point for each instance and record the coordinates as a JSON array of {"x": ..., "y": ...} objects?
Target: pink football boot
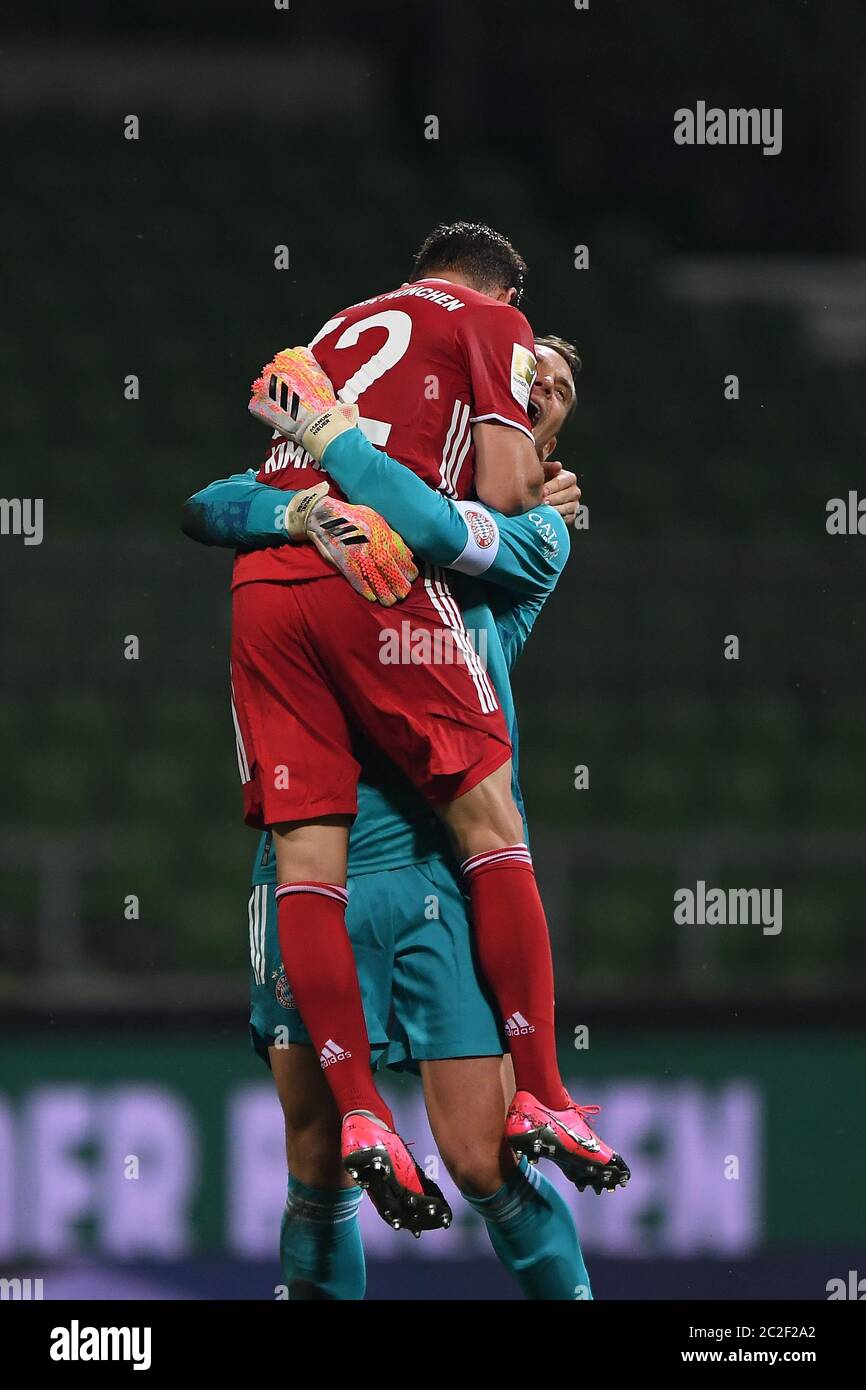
[
  {"x": 533, "y": 1130},
  {"x": 380, "y": 1162}
]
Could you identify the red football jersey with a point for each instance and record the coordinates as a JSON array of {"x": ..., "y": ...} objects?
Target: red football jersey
[{"x": 424, "y": 363}]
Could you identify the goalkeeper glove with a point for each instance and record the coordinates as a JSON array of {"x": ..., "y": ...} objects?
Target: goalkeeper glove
[
  {"x": 294, "y": 396},
  {"x": 355, "y": 540}
]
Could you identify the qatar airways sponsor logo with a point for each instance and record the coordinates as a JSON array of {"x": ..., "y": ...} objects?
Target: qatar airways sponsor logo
[
  {"x": 422, "y": 646},
  {"x": 546, "y": 532}
]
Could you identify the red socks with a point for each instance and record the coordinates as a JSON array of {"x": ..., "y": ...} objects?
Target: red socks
[
  {"x": 513, "y": 949},
  {"x": 514, "y": 952},
  {"x": 320, "y": 967}
]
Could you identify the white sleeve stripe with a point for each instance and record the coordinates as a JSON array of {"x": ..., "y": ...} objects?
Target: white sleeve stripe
[
  {"x": 458, "y": 465},
  {"x": 515, "y": 424},
  {"x": 465, "y": 447},
  {"x": 462, "y": 424},
  {"x": 460, "y": 419},
  {"x": 443, "y": 467}
]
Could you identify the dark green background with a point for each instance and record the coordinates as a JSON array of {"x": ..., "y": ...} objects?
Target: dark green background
[{"x": 155, "y": 257}]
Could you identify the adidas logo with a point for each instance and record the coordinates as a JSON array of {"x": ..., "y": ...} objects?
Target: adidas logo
[
  {"x": 332, "y": 1052},
  {"x": 516, "y": 1026}
]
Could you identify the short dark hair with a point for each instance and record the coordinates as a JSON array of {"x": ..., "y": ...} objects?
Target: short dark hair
[
  {"x": 567, "y": 351},
  {"x": 485, "y": 258}
]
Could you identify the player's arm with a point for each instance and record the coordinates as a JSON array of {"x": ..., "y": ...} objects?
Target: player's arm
[
  {"x": 499, "y": 352},
  {"x": 524, "y": 553},
  {"x": 240, "y": 513},
  {"x": 237, "y": 512},
  {"x": 243, "y": 514},
  {"x": 508, "y": 475},
  {"x": 530, "y": 552},
  {"x": 427, "y": 520}
]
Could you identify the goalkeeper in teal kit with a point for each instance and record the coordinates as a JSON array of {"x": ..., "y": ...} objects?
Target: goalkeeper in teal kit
[{"x": 425, "y": 1005}]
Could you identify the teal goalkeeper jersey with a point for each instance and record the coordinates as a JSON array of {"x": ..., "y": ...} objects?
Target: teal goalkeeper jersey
[{"x": 500, "y": 570}]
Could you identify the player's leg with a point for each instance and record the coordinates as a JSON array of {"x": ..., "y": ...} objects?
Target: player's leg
[
  {"x": 515, "y": 957},
  {"x": 510, "y": 927},
  {"x": 440, "y": 722},
  {"x": 461, "y": 1089},
  {"x": 321, "y": 1252},
  {"x": 514, "y": 953},
  {"x": 530, "y": 1226},
  {"x": 310, "y": 912},
  {"x": 446, "y": 1023},
  {"x": 295, "y": 749},
  {"x": 317, "y": 954},
  {"x": 295, "y": 744}
]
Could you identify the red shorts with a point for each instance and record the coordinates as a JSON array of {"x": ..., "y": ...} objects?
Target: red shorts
[{"x": 314, "y": 665}]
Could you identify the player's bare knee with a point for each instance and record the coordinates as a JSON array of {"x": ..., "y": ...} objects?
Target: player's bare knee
[
  {"x": 485, "y": 818},
  {"x": 499, "y": 827},
  {"x": 479, "y": 1169},
  {"x": 313, "y": 1154},
  {"x": 312, "y": 851}
]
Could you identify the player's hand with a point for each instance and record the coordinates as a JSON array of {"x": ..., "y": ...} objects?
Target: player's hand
[
  {"x": 561, "y": 490},
  {"x": 355, "y": 540},
  {"x": 292, "y": 389},
  {"x": 295, "y": 397}
]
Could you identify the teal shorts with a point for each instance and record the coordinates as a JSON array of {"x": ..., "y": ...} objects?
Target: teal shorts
[{"x": 423, "y": 996}]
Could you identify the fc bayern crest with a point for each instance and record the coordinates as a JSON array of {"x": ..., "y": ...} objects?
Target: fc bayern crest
[
  {"x": 481, "y": 526},
  {"x": 283, "y": 991}
]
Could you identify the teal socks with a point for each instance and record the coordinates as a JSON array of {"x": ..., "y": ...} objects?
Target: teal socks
[
  {"x": 534, "y": 1235},
  {"x": 530, "y": 1227},
  {"x": 321, "y": 1254}
]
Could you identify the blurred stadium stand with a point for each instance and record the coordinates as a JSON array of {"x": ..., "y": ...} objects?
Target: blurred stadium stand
[{"x": 706, "y": 517}]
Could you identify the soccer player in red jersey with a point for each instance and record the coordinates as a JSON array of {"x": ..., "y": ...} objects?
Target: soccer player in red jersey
[{"x": 441, "y": 370}]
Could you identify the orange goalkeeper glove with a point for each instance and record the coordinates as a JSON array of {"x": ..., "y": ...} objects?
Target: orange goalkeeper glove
[
  {"x": 295, "y": 397},
  {"x": 355, "y": 540}
]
